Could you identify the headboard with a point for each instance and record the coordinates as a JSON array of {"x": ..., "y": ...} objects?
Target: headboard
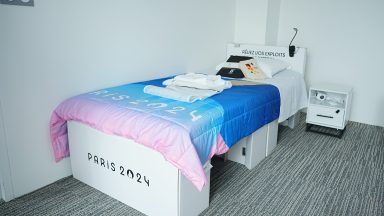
[{"x": 297, "y": 62}]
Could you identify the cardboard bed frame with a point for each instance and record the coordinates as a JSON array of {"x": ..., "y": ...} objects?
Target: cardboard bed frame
[{"x": 141, "y": 178}]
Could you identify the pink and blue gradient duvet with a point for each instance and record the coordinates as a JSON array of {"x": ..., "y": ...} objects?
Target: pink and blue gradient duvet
[{"x": 186, "y": 134}]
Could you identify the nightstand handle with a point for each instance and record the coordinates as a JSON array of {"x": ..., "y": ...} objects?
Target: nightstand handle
[{"x": 324, "y": 116}]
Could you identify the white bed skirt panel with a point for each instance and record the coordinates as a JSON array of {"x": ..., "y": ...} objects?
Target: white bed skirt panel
[
  {"x": 132, "y": 173},
  {"x": 141, "y": 178}
]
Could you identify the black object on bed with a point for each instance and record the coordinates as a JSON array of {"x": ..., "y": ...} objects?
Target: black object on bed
[
  {"x": 237, "y": 59},
  {"x": 233, "y": 72}
]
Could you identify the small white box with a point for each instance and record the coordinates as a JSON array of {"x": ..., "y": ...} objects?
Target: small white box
[
  {"x": 255, "y": 147},
  {"x": 329, "y": 105}
]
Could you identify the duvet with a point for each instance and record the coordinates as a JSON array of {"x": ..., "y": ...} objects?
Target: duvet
[{"x": 186, "y": 134}]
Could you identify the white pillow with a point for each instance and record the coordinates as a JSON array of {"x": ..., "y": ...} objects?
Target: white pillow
[{"x": 271, "y": 66}]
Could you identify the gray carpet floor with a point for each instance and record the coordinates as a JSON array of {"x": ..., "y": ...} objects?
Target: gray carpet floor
[{"x": 307, "y": 174}]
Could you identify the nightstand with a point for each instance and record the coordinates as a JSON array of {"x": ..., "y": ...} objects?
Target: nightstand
[{"x": 328, "y": 106}]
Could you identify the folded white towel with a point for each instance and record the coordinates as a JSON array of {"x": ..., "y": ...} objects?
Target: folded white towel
[
  {"x": 199, "y": 81},
  {"x": 179, "y": 93},
  {"x": 194, "y": 77},
  {"x": 200, "y": 93}
]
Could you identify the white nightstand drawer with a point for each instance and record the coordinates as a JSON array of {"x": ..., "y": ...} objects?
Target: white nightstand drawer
[{"x": 326, "y": 116}]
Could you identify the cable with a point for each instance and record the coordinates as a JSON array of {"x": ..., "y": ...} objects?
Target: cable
[{"x": 296, "y": 30}]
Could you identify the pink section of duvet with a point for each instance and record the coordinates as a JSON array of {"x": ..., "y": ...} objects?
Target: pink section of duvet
[{"x": 170, "y": 139}]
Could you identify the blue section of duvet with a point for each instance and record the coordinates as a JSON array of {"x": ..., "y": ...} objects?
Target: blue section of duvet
[{"x": 245, "y": 109}]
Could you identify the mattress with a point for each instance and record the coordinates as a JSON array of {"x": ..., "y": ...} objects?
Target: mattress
[
  {"x": 293, "y": 92},
  {"x": 186, "y": 134}
]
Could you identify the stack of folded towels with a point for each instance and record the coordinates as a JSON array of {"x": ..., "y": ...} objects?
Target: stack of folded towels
[{"x": 189, "y": 87}]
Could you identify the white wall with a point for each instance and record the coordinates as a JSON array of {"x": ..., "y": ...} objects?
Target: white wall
[
  {"x": 273, "y": 17},
  {"x": 344, "y": 40},
  {"x": 6, "y": 188},
  {"x": 345, "y": 45},
  {"x": 251, "y": 21},
  {"x": 58, "y": 49},
  {"x": 1, "y": 187},
  {"x": 257, "y": 21},
  {"x": 2, "y": 153}
]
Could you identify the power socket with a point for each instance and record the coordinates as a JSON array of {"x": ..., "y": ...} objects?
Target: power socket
[{"x": 18, "y": 2}]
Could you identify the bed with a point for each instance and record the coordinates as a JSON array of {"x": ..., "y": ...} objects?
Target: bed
[
  {"x": 290, "y": 81},
  {"x": 293, "y": 94},
  {"x": 152, "y": 168}
]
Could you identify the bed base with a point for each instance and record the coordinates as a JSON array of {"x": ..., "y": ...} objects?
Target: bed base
[
  {"x": 133, "y": 174},
  {"x": 255, "y": 147},
  {"x": 141, "y": 178},
  {"x": 292, "y": 121}
]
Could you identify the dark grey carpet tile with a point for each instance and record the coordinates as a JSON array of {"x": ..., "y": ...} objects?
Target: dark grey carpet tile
[
  {"x": 311, "y": 174},
  {"x": 373, "y": 135},
  {"x": 66, "y": 197},
  {"x": 307, "y": 174}
]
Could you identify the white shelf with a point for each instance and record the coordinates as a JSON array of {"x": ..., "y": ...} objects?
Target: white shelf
[
  {"x": 326, "y": 103},
  {"x": 333, "y": 109}
]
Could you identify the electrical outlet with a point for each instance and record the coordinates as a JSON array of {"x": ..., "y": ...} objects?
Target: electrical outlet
[{"x": 18, "y": 2}]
